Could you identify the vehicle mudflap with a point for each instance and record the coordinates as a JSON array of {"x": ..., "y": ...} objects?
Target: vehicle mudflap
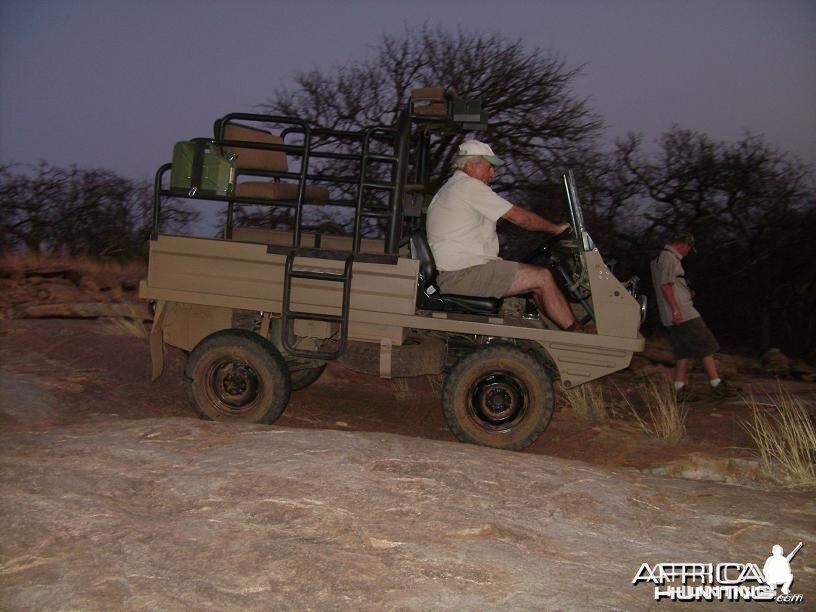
[{"x": 157, "y": 342}]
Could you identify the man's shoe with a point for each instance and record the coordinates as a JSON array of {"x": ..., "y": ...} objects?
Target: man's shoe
[
  {"x": 686, "y": 395},
  {"x": 583, "y": 328},
  {"x": 725, "y": 390}
]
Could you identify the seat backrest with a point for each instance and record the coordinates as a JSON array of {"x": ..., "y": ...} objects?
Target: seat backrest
[
  {"x": 422, "y": 251},
  {"x": 251, "y": 158},
  {"x": 429, "y": 101}
]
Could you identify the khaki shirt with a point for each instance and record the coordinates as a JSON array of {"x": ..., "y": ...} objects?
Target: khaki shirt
[
  {"x": 668, "y": 268},
  {"x": 461, "y": 223}
]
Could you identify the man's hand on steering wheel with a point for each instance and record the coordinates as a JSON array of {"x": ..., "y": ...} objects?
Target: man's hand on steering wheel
[
  {"x": 559, "y": 232},
  {"x": 562, "y": 230}
]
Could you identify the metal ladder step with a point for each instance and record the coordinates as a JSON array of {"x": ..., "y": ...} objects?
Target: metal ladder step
[
  {"x": 338, "y": 277},
  {"x": 289, "y": 316},
  {"x": 315, "y": 316}
]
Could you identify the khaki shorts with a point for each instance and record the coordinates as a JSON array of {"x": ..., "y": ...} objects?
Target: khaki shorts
[
  {"x": 491, "y": 279},
  {"x": 692, "y": 339}
]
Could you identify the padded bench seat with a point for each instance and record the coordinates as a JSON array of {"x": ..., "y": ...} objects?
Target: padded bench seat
[
  {"x": 273, "y": 190},
  {"x": 249, "y": 159}
]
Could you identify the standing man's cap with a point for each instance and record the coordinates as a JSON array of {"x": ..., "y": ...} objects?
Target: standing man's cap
[{"x": 476, "y": 147}]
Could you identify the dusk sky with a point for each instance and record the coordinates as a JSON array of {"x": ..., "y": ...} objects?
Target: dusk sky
[{"x": 114, "y": 84}]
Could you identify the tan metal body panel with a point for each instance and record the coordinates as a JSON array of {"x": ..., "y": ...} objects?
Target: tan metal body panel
[
  {"x": 241, "y": 275},
  {"x": 578, "y": 357},
  {"x": 185, "y": 325},
  {"x": 358, "y": 330},
  {"x": 238, "y": 275},
  {"x": 617, "y": 313}
]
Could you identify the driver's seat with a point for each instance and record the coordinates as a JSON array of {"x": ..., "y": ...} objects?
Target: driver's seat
[{"x": 428, "y": 295}]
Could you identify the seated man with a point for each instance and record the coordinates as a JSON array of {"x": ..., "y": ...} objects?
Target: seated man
[{"x": 461, "y": 227}]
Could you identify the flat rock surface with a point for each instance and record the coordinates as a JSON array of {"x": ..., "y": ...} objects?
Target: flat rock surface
[
  {"x": 181, "y": 514},
  {"x": 113, "y": 497}
]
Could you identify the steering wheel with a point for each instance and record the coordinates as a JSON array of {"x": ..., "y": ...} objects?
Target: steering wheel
[
  {"x": 554, "y": 259},
  {"x": 547, "y": 243}
]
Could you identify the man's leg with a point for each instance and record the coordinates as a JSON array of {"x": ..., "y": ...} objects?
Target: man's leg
[
  {"x": 546, "y": 293},
  {"x": 681, "y": 372},
  {"x": 710, "y": 366},
  {"x": 682, "y": 346},
  {"x": 681, "y": 388},
  {"x": 720, "y": 389}
]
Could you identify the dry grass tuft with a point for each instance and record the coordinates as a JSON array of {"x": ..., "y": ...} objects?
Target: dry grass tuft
[
  {"x": 126, "y": 326},
  {"x": 586, "y": 402},
  {"x": 784, "y": 435},
  {"x": 21, "y": 262},
  {"x": 665, "y": 418}
]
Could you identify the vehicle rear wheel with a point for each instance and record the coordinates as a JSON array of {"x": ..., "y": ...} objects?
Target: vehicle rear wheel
[
  {"x": 498, "y": 396},
  {"x": 235, "y": 375}
]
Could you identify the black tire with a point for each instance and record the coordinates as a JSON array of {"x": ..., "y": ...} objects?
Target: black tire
[
  {"x": 498, "y": 396},
  {"x": 235, "y": 375},
  {"x": 539, "y": 354},
  {"x": 301, "y": 377}
]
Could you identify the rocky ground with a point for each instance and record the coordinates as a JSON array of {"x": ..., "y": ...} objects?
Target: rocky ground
[{"x": 114, "y": 496}]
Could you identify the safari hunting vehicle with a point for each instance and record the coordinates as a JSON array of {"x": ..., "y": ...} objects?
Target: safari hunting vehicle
[{"x": 261, "y": 311}]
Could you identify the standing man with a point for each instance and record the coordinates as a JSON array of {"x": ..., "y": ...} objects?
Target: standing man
[
  {"x": 689, "y": 335},
  {"x": 461, "y": 227}
]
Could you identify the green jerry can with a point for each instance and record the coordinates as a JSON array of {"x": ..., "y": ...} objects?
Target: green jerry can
[{"x": 201, "y": 169}]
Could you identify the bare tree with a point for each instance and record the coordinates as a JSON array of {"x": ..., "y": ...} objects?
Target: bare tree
[
  {"x": 79, "y": 212},
  {"x": 536, "y": 123},
  {"x": 751, "y": 209}
]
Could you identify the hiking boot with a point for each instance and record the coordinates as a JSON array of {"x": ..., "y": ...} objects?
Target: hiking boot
[
  {"x": 686, "y": 395},
  {"x": 725, "y": 390}
]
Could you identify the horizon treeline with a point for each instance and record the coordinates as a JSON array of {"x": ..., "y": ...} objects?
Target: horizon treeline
[{"x": 750, "y": 206}]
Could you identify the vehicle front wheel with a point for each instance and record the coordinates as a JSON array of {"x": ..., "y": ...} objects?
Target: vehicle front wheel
[
  {"x": 498, "y": 396},
  {"x": 235, "y": 375}
]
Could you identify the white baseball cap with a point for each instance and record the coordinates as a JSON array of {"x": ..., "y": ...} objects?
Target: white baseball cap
[{"x": 476, "y": 147}]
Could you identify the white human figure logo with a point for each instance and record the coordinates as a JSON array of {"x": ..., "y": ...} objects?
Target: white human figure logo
[{"x": 777, "y": 569}]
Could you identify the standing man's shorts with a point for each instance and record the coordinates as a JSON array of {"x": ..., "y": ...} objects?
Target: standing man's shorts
[
  {"x": 692, "y": 339},
  {"x": 491, "y": 279}
]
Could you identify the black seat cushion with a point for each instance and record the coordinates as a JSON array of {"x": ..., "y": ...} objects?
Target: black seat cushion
[{"x": 429, "y": 297}]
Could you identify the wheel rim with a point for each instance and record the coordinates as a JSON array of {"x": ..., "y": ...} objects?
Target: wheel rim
[
  {"x": 233, "y": 386},
  {"x": 498, "y": 401}
]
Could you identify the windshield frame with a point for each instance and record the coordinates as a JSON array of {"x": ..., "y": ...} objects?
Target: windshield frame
[{"x": 576, "y": 215}]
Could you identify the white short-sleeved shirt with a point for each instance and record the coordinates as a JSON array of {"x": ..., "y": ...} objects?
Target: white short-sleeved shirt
[
  {"x": 461, "y": 223},
  {"x": 668, "y": 268}
]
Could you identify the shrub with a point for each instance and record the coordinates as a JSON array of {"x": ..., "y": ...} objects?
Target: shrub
[
  {"x": 665, "y": 418},
  {"x": 785, "y": 438}
]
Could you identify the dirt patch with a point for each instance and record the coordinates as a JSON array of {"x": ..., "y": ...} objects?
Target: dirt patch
[
  {"x": 95, "y": 367},
  {"x": 89, "y": 348}
]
